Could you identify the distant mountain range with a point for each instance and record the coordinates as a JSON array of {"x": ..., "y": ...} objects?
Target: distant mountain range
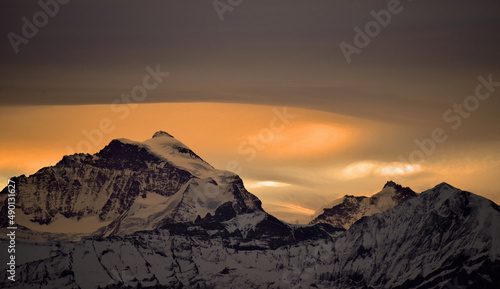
[
  {"x": 153, "y": 214},
  {"x": 347, "y": 210}
]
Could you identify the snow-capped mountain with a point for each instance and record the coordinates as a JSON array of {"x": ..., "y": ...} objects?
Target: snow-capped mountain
[
  {"x": 442, "y": 238},
  {"x": 346, "y": 211},
  {"x": 126, "y": 187},
  {"x": 153, "y": 214}
]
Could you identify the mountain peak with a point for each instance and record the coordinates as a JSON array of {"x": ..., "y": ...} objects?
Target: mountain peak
[
  {"x": 444, "y": 185},
  {"x": 126, "y": 187},
  {"x": 391, "y": 184},
  {"x": 349, "y": 209},
  {"x": 161, "y": 133}
]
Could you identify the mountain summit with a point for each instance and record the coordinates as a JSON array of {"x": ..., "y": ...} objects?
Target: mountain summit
[
  {"x": 126, "y": 187},
  {"x": 153, "y": 214},
  {"x": 349, "y": 209},
  {"x": 161, "y": 133}
]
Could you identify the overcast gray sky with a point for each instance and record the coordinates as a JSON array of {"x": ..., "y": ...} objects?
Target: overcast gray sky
[{"x": 284, "y": 52}]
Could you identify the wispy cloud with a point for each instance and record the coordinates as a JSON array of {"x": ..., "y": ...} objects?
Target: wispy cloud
[
  {"x": 261, "y": 184},
  {"x": 370, "y": 168},
  {"x": 290, "y": 208}
]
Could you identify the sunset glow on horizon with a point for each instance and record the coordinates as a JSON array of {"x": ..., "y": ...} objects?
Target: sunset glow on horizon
[{"x": 314, "y": 153}]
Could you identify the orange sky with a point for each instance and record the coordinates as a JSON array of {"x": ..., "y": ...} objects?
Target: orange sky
[
  {"x": 294, "y": 164},
  {"x": 358, "y": 122}
]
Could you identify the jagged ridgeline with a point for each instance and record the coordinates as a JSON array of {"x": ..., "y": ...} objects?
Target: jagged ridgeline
[
  {"x": 126, "y": 187},
  {"x": 347, "y": 210},
  {"x": 153, "y": 214}
]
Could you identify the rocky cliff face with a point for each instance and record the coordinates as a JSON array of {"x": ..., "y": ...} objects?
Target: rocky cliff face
[
  {"x": 153, "y": 214},
  {"x": 349, "y": 209},
  {"x": 126, "y": 187},
  {"x": 443, "y": 238}
]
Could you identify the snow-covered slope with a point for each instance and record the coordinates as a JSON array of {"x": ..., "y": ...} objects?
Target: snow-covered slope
[
  {"x": 349, "y": 209},
  {"x": 128, "y": 186},
  {"x": 153, "y": 214},
  {"x": 442, "y": 238}
]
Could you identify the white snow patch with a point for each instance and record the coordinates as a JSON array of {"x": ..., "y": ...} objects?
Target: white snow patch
[{"x": 165, "y": 147}]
